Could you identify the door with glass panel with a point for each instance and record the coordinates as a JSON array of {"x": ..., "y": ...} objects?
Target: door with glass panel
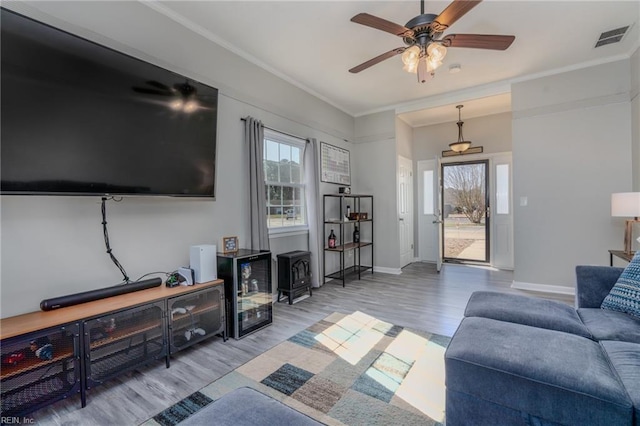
[{"x": 465, "y": 211}]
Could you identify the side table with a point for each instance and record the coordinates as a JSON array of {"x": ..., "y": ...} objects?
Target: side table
[{"x": 620, "y": 254}]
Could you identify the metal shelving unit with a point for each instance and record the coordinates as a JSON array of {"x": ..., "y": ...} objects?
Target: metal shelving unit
[{"x": 362, "y": 204}]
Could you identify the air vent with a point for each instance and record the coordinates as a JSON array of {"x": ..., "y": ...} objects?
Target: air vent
[{"x": 612, "y": 36}]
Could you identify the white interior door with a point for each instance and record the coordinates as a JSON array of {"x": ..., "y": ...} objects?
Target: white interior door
[{"x": 405, "y": 209}]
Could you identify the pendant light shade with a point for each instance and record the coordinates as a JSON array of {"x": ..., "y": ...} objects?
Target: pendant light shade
[{"x": 461, "y": 145}]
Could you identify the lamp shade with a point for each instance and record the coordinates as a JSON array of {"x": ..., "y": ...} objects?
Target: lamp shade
[{"x": 625, "y": 204}]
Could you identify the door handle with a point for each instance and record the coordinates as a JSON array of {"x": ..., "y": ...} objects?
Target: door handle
[{"x": 437, "y": 221}]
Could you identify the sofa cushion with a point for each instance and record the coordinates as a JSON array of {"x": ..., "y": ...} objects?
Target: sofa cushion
[
  {"x": 249, "y": 407},
  {"x": 550, "y": 375},
  {"x": 610, "y": 325},
  {"x": 533, "y": 311},
  {"x": 625, "y": 358},
  {"x": 625, "y": 294}
]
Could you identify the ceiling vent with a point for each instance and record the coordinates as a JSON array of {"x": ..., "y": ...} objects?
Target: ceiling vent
[{"x": 613, "y": 36}]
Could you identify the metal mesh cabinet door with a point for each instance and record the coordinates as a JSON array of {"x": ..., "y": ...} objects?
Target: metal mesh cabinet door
[
  {"x": 39, "y": 368},
  {"x": 123, "y": 340},
  {"x": 196, "y": 316}
]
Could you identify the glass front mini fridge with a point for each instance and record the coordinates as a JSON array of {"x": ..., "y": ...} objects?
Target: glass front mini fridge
[{"x": 247, "y": 287}]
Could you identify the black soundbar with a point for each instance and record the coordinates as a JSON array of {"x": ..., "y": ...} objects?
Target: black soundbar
[{"x": 101, "y": 293}]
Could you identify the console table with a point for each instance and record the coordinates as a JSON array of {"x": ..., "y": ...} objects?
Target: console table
[
  {"x": 620, "y": 254},
  {"x": 48, "y": 356}
]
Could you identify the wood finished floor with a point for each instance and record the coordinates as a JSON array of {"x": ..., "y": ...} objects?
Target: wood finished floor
[{"x": 418, "y": 298}]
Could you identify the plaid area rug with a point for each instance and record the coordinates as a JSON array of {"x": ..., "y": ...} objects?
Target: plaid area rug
[{"x": 344, "y": 370}]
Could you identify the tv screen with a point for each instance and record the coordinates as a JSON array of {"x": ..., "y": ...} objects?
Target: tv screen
[{"x": 82, "y": 119}]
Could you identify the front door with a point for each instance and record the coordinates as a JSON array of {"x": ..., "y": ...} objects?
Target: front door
[{"x": 465, "y": 211}]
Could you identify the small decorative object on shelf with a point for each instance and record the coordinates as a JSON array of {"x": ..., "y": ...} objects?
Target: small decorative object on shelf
[
  {"x": 356, "y": 234},
  {"x": 229, "y": 244},
  {"x": 344, "y": 190},
  {"x": 332, "y": 240}
]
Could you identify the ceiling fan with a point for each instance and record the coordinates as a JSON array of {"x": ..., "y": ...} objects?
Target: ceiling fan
[
  {"x": 424, "y": 49},
  {"x": 184, "y": 94}
]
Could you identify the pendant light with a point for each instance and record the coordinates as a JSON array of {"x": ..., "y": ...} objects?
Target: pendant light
[{"x": 461, "y": 145}]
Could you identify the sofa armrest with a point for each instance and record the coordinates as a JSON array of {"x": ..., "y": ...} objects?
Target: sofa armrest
[{"x": 593, "y": 284}]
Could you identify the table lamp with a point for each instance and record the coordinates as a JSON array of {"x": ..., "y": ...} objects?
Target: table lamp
[{"x": 626, "y": 204}]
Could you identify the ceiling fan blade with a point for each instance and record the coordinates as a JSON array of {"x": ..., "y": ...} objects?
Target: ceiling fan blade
[
  {"x": 382, "y": 24},
  {"x": 158, "y": 85},
  {"x": 478, "y": 41},
  {"x": 452, "y": 13},
  {"x": 377, "y": 59},
  {"x": 151, "y": 91}
]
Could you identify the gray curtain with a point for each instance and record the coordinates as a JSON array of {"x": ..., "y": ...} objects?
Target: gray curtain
[
  {"x": 314, "y": 210},
  {"x": 254, "y": 138}
]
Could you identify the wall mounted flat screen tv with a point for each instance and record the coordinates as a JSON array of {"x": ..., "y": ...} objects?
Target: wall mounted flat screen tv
[{"x": 79, "y": 118}]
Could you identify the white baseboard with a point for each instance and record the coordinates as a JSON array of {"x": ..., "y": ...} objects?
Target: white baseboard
[
  {"x": 382, "y": 269},
  {"x": 544, "y": 288}
]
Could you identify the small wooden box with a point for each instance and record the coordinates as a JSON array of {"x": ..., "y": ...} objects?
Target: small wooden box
[{"x": 358, "y": 216}]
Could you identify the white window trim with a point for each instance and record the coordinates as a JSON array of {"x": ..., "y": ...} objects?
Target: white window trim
[{"x": 286, "y": 231}]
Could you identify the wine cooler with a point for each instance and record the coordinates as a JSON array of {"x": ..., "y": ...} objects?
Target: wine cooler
[{"x": 247, "y": 282}]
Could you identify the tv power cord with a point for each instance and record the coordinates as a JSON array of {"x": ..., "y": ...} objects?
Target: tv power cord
[{"x": 106, "y": 240}]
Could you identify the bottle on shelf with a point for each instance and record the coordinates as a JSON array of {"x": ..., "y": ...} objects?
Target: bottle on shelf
[
  {"x": 348, "y": 213},
  {"x": 332, "y": 239},
  {"x": 356, "y": 234}
]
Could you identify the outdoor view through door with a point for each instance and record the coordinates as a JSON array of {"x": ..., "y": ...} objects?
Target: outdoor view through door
[{"x": 465, "y": 204}]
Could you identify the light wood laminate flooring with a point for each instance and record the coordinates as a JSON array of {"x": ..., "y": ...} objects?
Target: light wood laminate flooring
[{"x": 418, "y": 298}]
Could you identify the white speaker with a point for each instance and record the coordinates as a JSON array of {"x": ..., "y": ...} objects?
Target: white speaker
[{"x": 202, "y": 259}]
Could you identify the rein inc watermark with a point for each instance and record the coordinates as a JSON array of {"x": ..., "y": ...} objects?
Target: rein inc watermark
[{"x": 16, "y": 420}]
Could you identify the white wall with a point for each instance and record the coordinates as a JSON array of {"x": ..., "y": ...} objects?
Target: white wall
[
  {"x": 53, "y": 246},
  {"x": 571, "y": 150}
]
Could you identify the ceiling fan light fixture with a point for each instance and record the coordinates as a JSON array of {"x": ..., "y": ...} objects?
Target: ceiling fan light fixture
[
  {"x": 190, "y": 106},
  {"x": 410, "y": 59},
  {"x": 461, "y": 145},
  {"x": 436, "y": 51},
  {"x": 176, "y": 104}
]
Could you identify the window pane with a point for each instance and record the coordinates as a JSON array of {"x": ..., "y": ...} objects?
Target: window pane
[
  {"x": 502, "y": 189},
  {"x": 428, "y": 192},
  {"x": 296, "y": 173},
  {"x": 275, "y": 195},
  {"x": 285, "y": 171},
  {"x": 271, "y": 149},
  {"x": 283, "y": 167}
]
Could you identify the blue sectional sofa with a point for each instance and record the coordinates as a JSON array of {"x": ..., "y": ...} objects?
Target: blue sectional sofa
[{"x": 518, "y": 360}]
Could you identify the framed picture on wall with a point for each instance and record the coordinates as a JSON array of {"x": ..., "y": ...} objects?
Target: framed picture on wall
[
  {"x": 229, "y": 244},
  {"x": 335, "y": 164}
]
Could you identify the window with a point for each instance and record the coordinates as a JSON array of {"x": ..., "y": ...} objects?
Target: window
[{"x": 284, "y": 180}]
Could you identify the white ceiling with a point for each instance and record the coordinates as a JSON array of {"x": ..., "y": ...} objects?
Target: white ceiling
[{"x": 312, "y": 44}]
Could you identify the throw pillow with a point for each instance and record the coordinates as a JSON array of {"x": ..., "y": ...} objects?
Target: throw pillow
[{"x": 625, "y": 294}]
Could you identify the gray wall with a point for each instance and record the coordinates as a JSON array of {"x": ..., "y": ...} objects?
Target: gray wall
[
  {"x": 635, "y": 118},
  {"x": 492, "y": 132},
  {"x": 375, "y": 159},
  {"x": 571, "y": 150},
  {"x": 53, "y": 245}
]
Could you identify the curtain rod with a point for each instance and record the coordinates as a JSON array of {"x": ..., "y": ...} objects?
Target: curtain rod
[{"x": 284, "y": 133}]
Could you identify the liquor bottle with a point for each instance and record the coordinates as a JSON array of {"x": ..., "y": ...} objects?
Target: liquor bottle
[
  {"x": 356, "y": 234},
  {"x": 348, "y": 213},
  {"x": 332, "y": 240}
]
